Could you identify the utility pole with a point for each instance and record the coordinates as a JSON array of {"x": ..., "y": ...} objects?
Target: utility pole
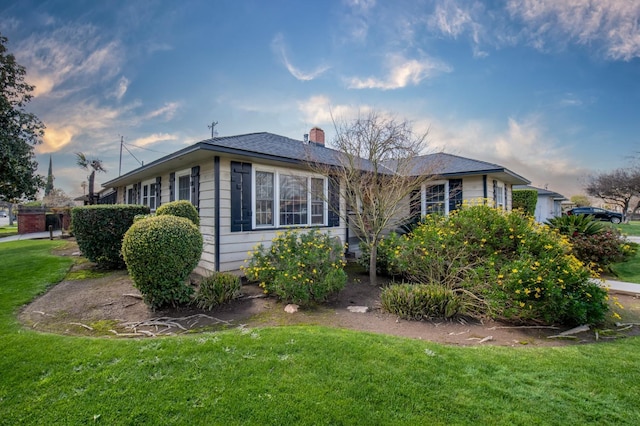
[
  {"x": 120, "y": 164},
  {"x": 212, "y": 126}
]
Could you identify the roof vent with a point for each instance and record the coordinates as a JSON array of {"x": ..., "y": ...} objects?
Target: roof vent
[{"x": 306, "y": 138}]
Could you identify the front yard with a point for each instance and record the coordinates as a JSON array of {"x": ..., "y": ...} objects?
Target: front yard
[{"x": 292, "y": 375}]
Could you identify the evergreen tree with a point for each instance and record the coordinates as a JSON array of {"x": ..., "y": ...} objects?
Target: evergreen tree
[{"x": 20, "y": 131}]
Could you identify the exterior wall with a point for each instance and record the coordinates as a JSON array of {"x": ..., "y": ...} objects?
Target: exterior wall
[
  {"x": 473, "y": 189},
  {"x": 31, "y": 220},
  {"x": 236, "y": 245},
  {"x": 547, "y": 208}
]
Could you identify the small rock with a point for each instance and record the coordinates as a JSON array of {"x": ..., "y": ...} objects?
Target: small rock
[
  {"x": 291, "y": 308},
  {"x": 358, "y": 309},
  {"x": 75, "y": 253}
]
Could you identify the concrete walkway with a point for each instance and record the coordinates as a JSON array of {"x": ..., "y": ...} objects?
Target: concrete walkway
[{"x": 33, "y": 236}]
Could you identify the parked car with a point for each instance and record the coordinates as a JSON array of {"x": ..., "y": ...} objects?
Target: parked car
[{"x": 597, "y": 213}]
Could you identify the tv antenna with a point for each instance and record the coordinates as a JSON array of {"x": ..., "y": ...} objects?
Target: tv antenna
[{"x": 212, "y": 126}]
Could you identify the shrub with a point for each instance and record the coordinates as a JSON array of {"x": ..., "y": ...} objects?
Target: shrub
[
  {"x": 160, "y": 253},
  {"x": 521, "y": 271},
  {"x": 601, "y": 249},
  {"x": 99, "y": 231},
  {"x": 216, "y": 289},
  {"x": 421, "y": 301},
  {"x": 578, "y": 223},
  {"x": 385, "y": 253},
  {"x": 525, "y": 200},
  {"x": 299, "y": 267},
  {"x": 181, "y": 208}
]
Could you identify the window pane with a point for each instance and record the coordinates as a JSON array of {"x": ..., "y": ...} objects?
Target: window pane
[
  {"x": 317, "y": 201},
  {"x": 152, "y": 196},
  {"x": 293, "y": 200},
  {"x": 264, "y": 198},
  {"x": 184, "y": 190},
  {"x": 435, "y": 199}
]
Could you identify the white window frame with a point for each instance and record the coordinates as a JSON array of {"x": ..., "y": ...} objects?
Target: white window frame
[
  {"x": 500, "y": 198},
  {"x": 423, "y": 196},
  {"x": 176, "y": 189},
  {"x": 277, "y": 174},
  {"x": 148, "y": 184}
]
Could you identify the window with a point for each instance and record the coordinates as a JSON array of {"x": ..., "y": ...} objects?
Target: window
[
  {"x": 264, "y": 199},
  {"x": 149, "y": 190},
  {"x": 455, "y": 194},
  {"x": 130, "y": 194},
  {"x": 293, "y": 201},
  {"x": 498, "y": 195},
  {"x": 288, "y": 200},
  {"x": 317, "y": 201},
  {"x": 435, "y": 196},
  {"x": 184, "y": 187}
]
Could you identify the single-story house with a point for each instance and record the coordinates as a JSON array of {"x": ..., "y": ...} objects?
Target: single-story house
[
  {"x": 248, "y": 187},
  {"x": 549, "y": 203}
]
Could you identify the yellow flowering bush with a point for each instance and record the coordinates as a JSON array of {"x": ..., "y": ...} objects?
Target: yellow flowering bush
[
  {"x": 522, "y": 271},
  {"x": 299, "y": 267}
]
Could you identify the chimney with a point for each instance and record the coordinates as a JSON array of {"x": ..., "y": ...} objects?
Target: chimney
[{"x": 316, "y": 135}]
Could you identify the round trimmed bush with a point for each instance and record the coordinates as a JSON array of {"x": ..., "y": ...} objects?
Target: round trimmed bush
[
  {"x": 160, "y": 253},
  {"x": 181, "y": 208}
]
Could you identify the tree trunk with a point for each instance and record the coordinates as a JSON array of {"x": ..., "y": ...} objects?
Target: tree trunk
[
  {"x": 10, "y": 214},
  {"x": 92, "y": 178},
  {"x": 373, "y": 276}
]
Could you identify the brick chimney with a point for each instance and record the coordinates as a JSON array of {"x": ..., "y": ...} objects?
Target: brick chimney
[{"x": 316, "y": 135}]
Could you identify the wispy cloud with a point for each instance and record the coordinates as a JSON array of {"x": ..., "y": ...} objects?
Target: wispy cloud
[
  {"x": 167, "y": 112},
  {"x": 154, "y": 138},
  {"x": 319, "y": 111},
  {"x": 609, "y": 25},
  {"x": 70, "y": 55},
  {"x": 402, "y": 72},
  {"x": 278, "y": 46},
  {"x": 121, "y": 88}
]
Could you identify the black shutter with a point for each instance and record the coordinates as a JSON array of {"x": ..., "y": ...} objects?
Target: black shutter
[
  {"x": 172, "y": 187},
  {"x": 415, "y": 204},
  {"x": 158, "y": 190},
  {"x": 455, "y": 194},
  {"x": 240, "y": 196},
  {"x": 495, "y": 194},
  {"x": 195, "y": 187},
  {"x": 334, "y": 202}
]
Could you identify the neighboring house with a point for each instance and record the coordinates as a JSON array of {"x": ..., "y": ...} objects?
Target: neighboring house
[
  {"x": 549, "y": 203},
  {"x": 248, "y": 187}
]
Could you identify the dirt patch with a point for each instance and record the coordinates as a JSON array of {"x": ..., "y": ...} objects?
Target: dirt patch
[{"x": 109, "y": 305}]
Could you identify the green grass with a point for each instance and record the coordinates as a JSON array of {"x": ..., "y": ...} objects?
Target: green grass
[
  {"x": 7, "y": 231},
  {"x": 628, "y": 271},
  {"x": 293, "y": 375},
  {"x": 631, "y": 228}
]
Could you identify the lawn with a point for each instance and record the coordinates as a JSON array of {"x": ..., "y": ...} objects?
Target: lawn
[
  {"x": 6, "y": 230},
  {"x": 631, "y": 228},
  {"x": 292, "y": 375},
  {"x": 628, "y": 271}
]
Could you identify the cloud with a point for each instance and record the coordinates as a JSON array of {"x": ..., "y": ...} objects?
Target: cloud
[
  {"x": 73, "y": 55},
  {"x": 318, "y": 110},
  {"x": 55, "y": 138},
  {"x": 168, "y": 111},
  {"x": 402, "y": 72},
  {"x": 121, "y": 88},
  {"x": 153, "y": 138},
  {"x": 610, "y": 25},
  {"x": 522, "y": 145},
  {"x": 278, "y": 47}
]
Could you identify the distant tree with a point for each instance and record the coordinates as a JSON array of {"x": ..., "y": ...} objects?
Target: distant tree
[
  {"x": 57, "y": 198},
  {"x": 49, "y": 185},
  {"x": 617, "y": 187},
  {"x": 581, "y": 200},
  {"x": 20, "y": 132},
  {"x": 377, "y": 174},
  {"x": 525, "y": 199},
  {"x": 94, "y": 166}
]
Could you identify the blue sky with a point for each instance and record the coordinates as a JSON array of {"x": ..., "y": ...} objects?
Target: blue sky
[{"x": 547, "y": 88}]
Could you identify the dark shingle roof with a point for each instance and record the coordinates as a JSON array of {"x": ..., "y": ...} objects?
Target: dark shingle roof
[{"x": 280, "y": 148}]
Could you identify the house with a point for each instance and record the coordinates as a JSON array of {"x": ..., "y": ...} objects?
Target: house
[
  {"x": 248, "y": 187},
  {"x": 549, "y": 203}
]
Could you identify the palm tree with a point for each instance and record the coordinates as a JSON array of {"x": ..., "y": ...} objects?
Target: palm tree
[{"x": 94, "y": 165}]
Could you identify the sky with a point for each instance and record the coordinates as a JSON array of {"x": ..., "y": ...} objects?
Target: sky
[{"x": 549, "y": 89}]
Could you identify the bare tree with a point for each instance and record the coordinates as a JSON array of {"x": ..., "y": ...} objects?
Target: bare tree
[
  {"x": 94, "y": 166},
  {"x": 378, "y": 170},
  {"x": 617, "y": 187}
]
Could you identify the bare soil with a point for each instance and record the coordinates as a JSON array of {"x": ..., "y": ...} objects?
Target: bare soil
[{"x": 110, "y": 306}]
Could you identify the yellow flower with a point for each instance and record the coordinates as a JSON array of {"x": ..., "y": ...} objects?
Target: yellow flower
[
  {"x": 522, "y": 304},
  {"x": 616, "y": 316},
  {"x": 514, "y": 270}
]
